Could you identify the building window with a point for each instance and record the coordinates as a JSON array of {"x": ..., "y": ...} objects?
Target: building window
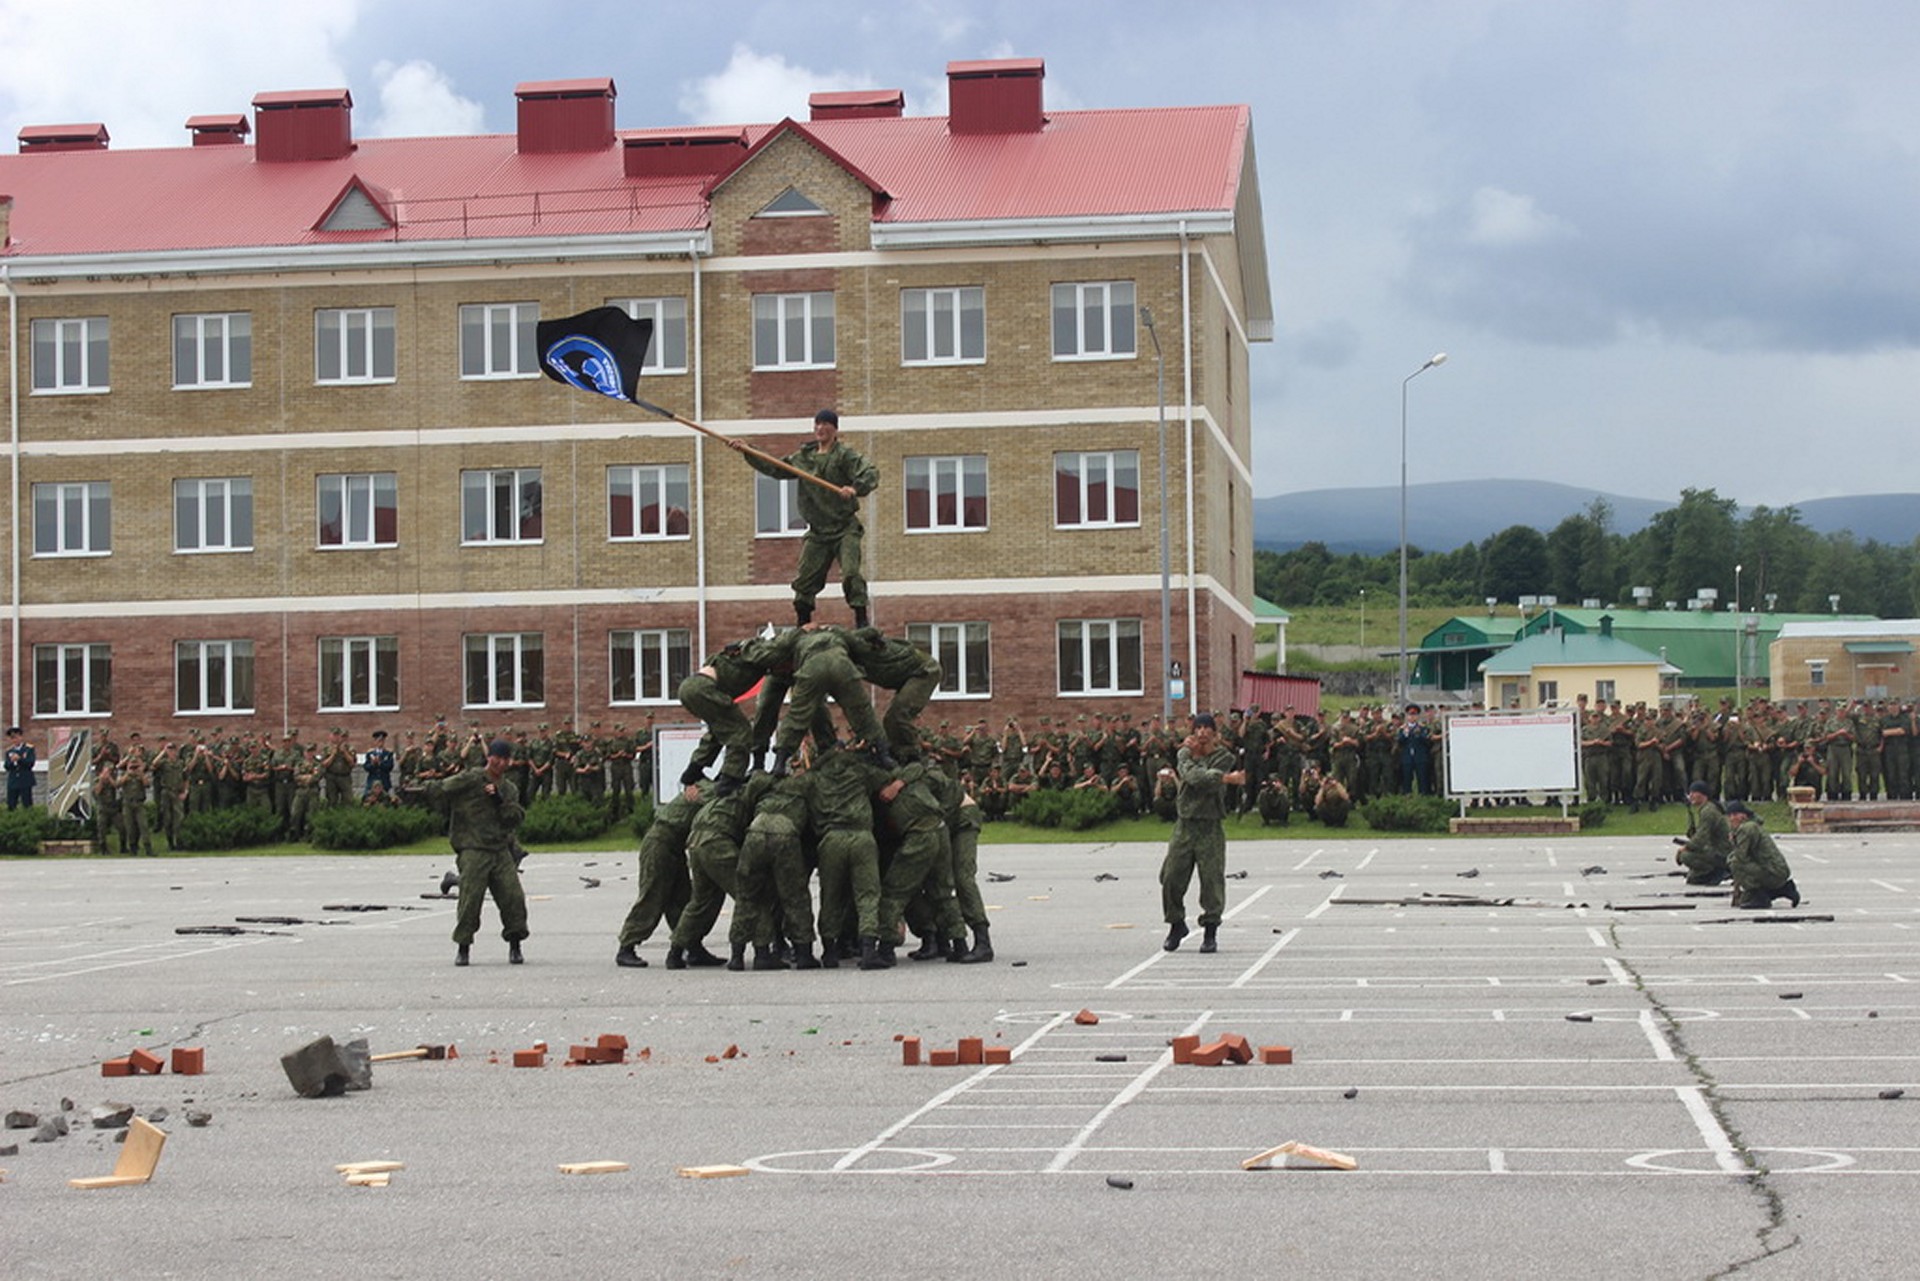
[
  {"x": 667, "y": 353},
  {"x": 793, "y": 331},
  {"x": 212, "y": 676},
  {"x": 1100, "y": 656},
  {"x": 966, "y": 666},
  {"x": 943, "y": 326},
  {"x": 1097, "y": 490},
  {"x": 500, "y": 506},
  {"x": 1817, "y": 673},
  {"x": 496, "y": 340},
  {"x": 359, "y": 510},
  {"x": 776, "y": 508},
  {"x": 72, "y": 680},
  {"x": 353, "y": 345},
  {"x": 1093, "y": 320},
  {"x": 1547, "y": 694},
  {"x": 213, "y": 515},
  {"x": 70, "y": 355},
  {"x": 359, "y": 673},
  {"x": 1604, "y": 692},
  {"x": 505, "y": 669},
  {"x": 946, "y": 494},
  {"x": 648, "y": 666},
  {"x": 647, "y": 502},
  {"x": 73, "y": 519},
  {"x": 213, "y": 350}
]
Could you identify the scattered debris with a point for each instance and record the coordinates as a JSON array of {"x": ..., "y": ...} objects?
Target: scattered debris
[
  {"x": 1330, "y": 875},
  {"x": 1285, "y": 1155},
  {"x": 112, "y": 1116},
  {"x": 1106, "y": 876},
  {"x": 1116, "y": 1181},
  {"x": 1651, "y": 907},
  {"x": 712, "y": 1171},
  {"x": 1236, "y": 876},
  {"x": 1086, "y": 1018},
  {"x": 321, "y": 1068},
  {"x": 1469, "y": 874},
  {"x": 998, "y": 878},
  {"x": 1579, "y": 1018},
  {"x": 17, "y": 1120},
  {"x": 54, "y": 1127},
  {"x": 1109, "y": 1058},
  {"x": 1019, "y": 964},
  {"x": 1351, "y": 1092},
  {"x": 370, "y": 1167},
  {"x": 1595, "y": 870},
  {"x": 277, "y": 920},
  {"x": 221, "y": 929},
  {"x": 199, "y": 1118},
  {"x": 1596, "y": 982},
  {"x": 1891, "y": 1094},
  {"x": 591, "y": 882},
  {"x": 1791, "y": 996},
  {"x": 595, "y": 1167},
  {"x": 1782, "y": 919}
]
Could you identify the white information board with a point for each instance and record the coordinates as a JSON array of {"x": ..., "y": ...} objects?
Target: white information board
[
  {"x": 672, "y": 748},
  {"x": 1510, "y": 752}
]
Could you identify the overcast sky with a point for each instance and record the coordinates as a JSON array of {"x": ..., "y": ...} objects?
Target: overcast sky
[{"x": 1664, "y": 243}]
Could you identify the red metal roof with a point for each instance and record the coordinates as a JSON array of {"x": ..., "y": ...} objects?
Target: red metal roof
[{"x": 1081, "y": 164}]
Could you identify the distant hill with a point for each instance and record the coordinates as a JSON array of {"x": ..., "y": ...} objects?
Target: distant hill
[{"x": 1448, "y": 514}]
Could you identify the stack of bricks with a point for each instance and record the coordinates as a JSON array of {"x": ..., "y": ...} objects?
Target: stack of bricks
[
  {"x": 970, "y": 1051},
  {"x": 1230, "y": 1048},
  {"x": 143, "y": 1063},
  {"x": 610, "y": 1047}
]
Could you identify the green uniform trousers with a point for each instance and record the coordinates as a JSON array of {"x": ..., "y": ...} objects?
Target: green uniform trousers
[
  {"x": 484, "y": 872},
  {"x": 1197, "y": 845}
]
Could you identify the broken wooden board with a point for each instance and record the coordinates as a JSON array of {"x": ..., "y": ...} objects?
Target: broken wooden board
[
  {"x": 1284, "y": 1155},
  {"x": 595, "y": 1167},
  {"x": 370, "y": 1167},
  {"x": 712, "y": 1171},
  {"x": 379, "y": 1180},
  {"x": 139, "y": 1156}
]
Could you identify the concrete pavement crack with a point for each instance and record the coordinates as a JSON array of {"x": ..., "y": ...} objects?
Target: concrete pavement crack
[{"x": 1773, "y": 1237}]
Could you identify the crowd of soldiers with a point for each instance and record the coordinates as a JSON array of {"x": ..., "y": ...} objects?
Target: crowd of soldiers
[
  {"x": 1842, "y": 749},
  {"x": 139, "y": 791}
]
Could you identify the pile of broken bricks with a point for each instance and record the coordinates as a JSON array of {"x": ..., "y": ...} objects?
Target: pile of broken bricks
[
  {"x": 187, "y": 1061},
  {"x": 969, "y": 1051},
  {"x": 1230, "y": 1048}
]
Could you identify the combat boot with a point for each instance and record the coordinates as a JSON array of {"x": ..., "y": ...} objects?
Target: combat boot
[
  {"x": 829, "y": 954},
  {"x": 765, "y": 958},
  {"x": 859, "y": 615},
  {"x": 981, "y": 951},
  {"x": 781, "y": 757},
  {"x": 697, "y": 956},
  {"x": 804, "y": 959},
  {"x": 738, "y": 960},
  {"x": 1175, "y": 932},
  {"x": 1210, "y": 939},
  {"x": 460, "y": 957},
  {"x": 513, "y": 954},
  {"x": 875, "y": 955},
  {"x": 627, "y": 958},
  {"x": 676, "y": 958},
  {"x": 802, "y": 614},
  {"x": 1790, "y": 892},
  {"x": 930, "y": 949}
]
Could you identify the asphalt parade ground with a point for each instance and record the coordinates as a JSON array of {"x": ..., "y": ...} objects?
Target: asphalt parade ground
[{"x": 1575, "y": 1066}]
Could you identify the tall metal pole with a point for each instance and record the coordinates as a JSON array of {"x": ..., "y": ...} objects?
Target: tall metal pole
[
  {"x": 1166, "y": 561},
  {"x": 1438, "y": 358},
  {"x": 1739, "y": 644}
]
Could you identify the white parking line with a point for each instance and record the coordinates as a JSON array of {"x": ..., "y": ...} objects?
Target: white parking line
[
  {"x": 1711, "y": 1132},
  {"x": 1065, "y": 1156}
]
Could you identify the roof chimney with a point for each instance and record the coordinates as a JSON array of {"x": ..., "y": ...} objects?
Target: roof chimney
[
  {"x": 998, "y": 96},
  {"x": 6, "y": 220},
  {"x": 565, "y": 115},
  {"x": 303, "y": 124},
  {"x": 219, "y": 131},
  {"x": 696, "y": 153},
  {"x": 37, "y": 139},
  {"x": 861, "y": 104},
  {"x": 1606, "y": 624}
]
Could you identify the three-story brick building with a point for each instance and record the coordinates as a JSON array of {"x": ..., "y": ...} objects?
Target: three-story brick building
[{"x": 280, "y": 454}]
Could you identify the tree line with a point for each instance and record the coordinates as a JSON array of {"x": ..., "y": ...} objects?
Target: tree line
[{"x": 1785, "y": 566}]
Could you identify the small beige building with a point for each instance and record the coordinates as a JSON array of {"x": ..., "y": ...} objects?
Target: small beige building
[
  {"x": 1844, "y": 658},
  {"x": 1553, "y": 668}
]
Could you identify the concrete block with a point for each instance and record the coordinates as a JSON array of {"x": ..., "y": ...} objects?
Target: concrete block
[
  {"x": 971, "y": 1051},
  {"x": 358, "y": 1060},
  {"x": 909, "y": 1051},
  {"x": 1276, "y": 1054},
  {"x": 319, "y": 1069},
  {"x": 1183, "y": 1048},
  {"x": 189, "y": 1060}
]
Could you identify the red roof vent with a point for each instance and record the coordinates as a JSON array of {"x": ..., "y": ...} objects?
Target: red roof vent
[
  {"x": 565, "y": 115},
  {"x": 998, "y": 96},
  {"x": 304, "y": 124},
  {"x": 701, "y": 153},
  {"x": 861, "y": 104},
  {"x": 219, "y": 131},
  {"x": 37, "y": 139}
]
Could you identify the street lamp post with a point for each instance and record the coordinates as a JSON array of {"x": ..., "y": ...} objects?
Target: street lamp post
[
  {"x": 1438, "y": 358},
  {"x": 1363, "y": 618},
  {"x": 1166, "y": 571},
  {"x": 1739, "y": 643}
]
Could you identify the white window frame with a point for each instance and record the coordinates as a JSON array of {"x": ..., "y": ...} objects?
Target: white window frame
[
  {"x": 673, "y": 651},
  {"x": 660, "y": 480},
  {"x": 1107, "y": 463},
  {"x": 75, "y": 665},
  {"x": 77, "y": 345},
  {"x": 360, "y": 668},
  {"x": 951, "y": 643},
  {"x": 522, "y": 480},
  {"x": 504, "y": 332},
  {"x": 943, "y": 477},
  {"x": 1605, "y": 691},
  {"x": 1098, "y": 638},
  {"x": 1095, "y": 333},
  {"x": 230, "y": 498},
  {"x": 776, "y": 507},
  {"x": 222, "y": 673},
  {"x": 83, "y": 522},
  {"x": 789, "y": 329},
  {"x": 354, "y": 334},
  {"x": 937, "y": 319},
  {"x": 216, "y": 338},
  {"x": 667, "y": 353},
  {"x": 358, "y": 495},
  {"x": 495, "y": 685}
]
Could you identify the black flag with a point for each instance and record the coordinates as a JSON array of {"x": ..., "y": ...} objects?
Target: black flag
[{"x": 599, "y": 350}]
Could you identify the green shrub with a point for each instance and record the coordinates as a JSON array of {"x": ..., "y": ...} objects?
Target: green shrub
[
  {"x": 1075, "y": 810},
  {"x": 1592, "y": 814},
  {"x": 642, "y": 817},
  {"x": 228, "y": 829},
  {"x": 557, "y": 819},
  {"x": 22, "y": 830},
  {"x": 380, "y": 827},
  {"x": 1408, "y": 813}
]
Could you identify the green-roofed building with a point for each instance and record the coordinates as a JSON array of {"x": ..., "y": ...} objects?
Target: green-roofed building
[
  {"x": 1552, "y": 669},
  {"x": 1701, "y": 643},
  {"x": 1450, "y": 655}
]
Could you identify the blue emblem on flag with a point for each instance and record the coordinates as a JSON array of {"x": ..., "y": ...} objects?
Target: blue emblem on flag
[
  {"x": 586, "y": 364},
  {"x": 600, "y": 351}
]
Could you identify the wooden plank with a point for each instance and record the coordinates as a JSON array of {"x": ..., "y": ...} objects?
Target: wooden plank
[
  {"x": 107, "y": 1181},
  {"x": 1283, "y": 1156},
  {"x": 370, "y": 1167},
  {"x": 595, "y": 1167},
  {"x": 712, "y": 1171},
  {"x": 368, "y": 1180}
]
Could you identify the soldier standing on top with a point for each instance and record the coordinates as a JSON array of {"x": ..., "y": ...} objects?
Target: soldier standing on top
[{"x": 833, "y": 519}]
